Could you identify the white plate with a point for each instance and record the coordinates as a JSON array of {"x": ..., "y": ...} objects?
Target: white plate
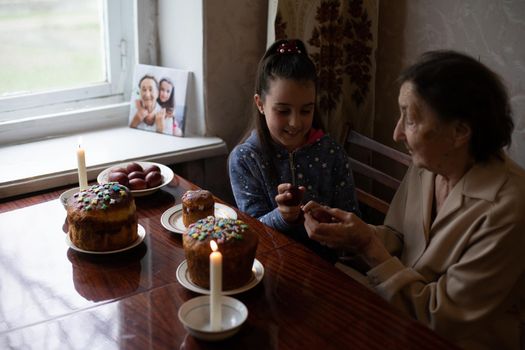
[
  {"x": 183, "y": 276},
  {"x": 165, "y": 172},
  {"x": 171, "y": 219},
  {"x": 140, "y": 231},
  {"x": 64, "y": 196}
]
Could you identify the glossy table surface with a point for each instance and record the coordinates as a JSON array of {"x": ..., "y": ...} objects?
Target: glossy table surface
[{"x": 53, "y": 297}]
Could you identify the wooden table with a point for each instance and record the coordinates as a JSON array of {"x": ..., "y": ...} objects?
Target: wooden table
[{"x": 52, "y": 297}]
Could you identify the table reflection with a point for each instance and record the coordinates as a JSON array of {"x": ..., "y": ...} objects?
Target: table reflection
[{"x": 100, "y": 277}]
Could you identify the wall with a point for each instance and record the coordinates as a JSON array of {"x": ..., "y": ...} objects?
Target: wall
[
  {"x": 235, "y": 40},
  {"x": 492, "y": 30},
  {"x": 221, "y": 43},
  {"x": 181, "y": 46},
  {"x": 147, "y": 32}
]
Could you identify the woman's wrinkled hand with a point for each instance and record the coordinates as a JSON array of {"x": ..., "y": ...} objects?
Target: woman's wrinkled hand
[
  {"x": 336, "y": 228},
  {"x": 340, "y": 229}
]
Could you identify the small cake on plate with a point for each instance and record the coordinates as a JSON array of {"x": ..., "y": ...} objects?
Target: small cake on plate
[
  {"x": 102, "y": 218},
  {"x": 197, "y": 205},
  {"x": 236, "y": 242}
]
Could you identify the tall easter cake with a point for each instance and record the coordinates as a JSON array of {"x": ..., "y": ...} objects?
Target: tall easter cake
[
  {"x": 197, "y": 205},
  {"x": 236, "y": 242},
  {"x": 102, "y": 218}
]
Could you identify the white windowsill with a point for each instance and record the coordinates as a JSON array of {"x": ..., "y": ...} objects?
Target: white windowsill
[{"x": 52, "y": 163}]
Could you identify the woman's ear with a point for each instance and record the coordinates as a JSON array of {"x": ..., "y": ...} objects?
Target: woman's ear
[
  {"x": 462, "y": 133},
  {"x": 259, "y": 103}
]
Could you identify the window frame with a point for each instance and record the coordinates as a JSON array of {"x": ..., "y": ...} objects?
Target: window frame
[{"x": 119, "y": 24}]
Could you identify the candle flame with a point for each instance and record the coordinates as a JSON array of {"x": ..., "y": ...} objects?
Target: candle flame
[
  {"x": 213, "y": 246},
  {"x": 80, "y": 142}
]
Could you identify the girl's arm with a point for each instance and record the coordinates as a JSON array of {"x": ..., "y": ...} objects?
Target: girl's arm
[
  {"x": 252, "y": 194},
  {"x": 139, "y": 115},
  {"x": 159, "y": 120}
]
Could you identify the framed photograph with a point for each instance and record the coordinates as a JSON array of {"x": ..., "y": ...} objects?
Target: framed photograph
[{"x": 158, "y": 99}]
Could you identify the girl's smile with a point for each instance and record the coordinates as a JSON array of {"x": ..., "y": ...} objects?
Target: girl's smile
[{"x": 289, "y": 109}]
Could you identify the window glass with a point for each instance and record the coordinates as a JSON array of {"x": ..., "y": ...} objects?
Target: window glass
[{"x": 50, "y": 45}]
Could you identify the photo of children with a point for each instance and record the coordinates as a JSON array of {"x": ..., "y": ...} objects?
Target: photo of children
[{"x": 158, "y": 101}]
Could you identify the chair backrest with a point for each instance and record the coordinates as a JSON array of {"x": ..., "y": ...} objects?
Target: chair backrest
[{"x": 374, "y": 163}]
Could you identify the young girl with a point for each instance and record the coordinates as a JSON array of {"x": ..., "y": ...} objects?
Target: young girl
[
  {"x": 166, "y": 97},
  {"x": 288, "y": 157},
  {"x": 166, "y": 100}
]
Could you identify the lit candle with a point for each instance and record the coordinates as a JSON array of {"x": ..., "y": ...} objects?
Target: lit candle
[
  {"x": 215, "y": 287},
  {"x": 82, "y": 173}
]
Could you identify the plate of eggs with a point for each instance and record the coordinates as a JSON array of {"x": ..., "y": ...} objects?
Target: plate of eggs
[{"x": 142, "y": 178}]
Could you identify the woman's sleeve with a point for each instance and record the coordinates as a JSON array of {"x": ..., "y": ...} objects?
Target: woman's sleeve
[
  {"x": 391, "y": 232},
  {"x": 251, "y": 193},
  {"x": 471, "y": 289}
]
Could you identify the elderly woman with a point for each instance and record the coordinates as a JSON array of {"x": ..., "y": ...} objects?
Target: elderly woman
[{"x": 451, "y": 252}]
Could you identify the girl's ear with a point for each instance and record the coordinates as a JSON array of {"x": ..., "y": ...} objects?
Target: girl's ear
[{"x": 259, "y": 103}]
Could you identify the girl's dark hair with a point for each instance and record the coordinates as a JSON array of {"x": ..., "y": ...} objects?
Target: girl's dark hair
[
  {"x": 170, "y": 103},
  {"x": 284, "y": 59},
  {"x": 458, "y": 87}
]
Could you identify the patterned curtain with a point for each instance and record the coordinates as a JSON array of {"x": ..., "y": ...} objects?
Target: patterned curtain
[{"x": 342, "y": 38}]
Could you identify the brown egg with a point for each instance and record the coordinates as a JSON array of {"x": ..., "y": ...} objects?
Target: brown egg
[
  {"x": 151, "y": 168},
  {"x": 153, "y": 179},
  {"x": 136, "y": 175},
  {"x": 322, "y": 216},
  {"x": 131, "y": 167},
  {"x": 119, "y": 170},
  {"x": 137, "y": 184},
  {"x": 297, "y": 197},
  {"x": 120, "y": 177}
]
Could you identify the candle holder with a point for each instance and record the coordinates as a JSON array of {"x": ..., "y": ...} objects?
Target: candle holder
[{"x": 195, "y": 316}]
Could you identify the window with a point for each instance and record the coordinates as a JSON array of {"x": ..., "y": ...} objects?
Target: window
[{"x": 93, "y": 45}]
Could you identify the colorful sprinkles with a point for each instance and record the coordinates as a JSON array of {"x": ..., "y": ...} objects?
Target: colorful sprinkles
[
  {"x": 100, "y": 196},
  {"x": 219, "y": 229}
]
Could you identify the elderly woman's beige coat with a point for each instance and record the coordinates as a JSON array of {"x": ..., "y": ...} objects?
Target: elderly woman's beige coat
[{"x": 461, "y": 274}]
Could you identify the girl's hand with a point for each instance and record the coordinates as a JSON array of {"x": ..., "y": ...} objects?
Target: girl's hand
[
  {"x": 160, "y": 115},
  {"x": 289, "y": 202},
  {"x": 142, "y": 113},
  {"x": 159, "y": 120}
]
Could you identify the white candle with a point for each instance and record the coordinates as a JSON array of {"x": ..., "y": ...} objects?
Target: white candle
[
  {"x": 215, "y": 287},
  {"x": 82, "y": 173}
]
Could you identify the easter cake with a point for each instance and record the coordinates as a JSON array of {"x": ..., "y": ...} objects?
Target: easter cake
[
  {"x": 236, "y": 242},
  {"x": 102, "y": 218}
]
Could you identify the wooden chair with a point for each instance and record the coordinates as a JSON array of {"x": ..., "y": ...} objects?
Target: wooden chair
[{"x": 378, "y": 170}]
